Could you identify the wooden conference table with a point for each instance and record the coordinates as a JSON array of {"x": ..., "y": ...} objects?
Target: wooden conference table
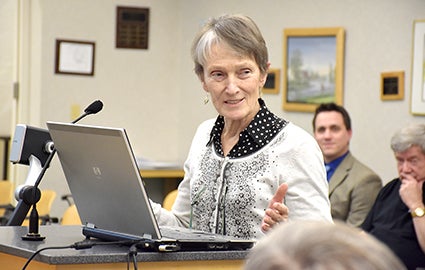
[
  {"x": 14, "y": 253},
  {"x": 162, "y": 173}
]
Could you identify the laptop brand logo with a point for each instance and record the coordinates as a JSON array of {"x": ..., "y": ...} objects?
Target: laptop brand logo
[{"x": 97, "y": 172}]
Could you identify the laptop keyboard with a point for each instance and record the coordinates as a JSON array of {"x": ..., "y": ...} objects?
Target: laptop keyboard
[{"x": 181, "y": 233}]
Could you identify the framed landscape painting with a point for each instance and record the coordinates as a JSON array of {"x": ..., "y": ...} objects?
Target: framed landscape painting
[{"x": 313, "y": 67}]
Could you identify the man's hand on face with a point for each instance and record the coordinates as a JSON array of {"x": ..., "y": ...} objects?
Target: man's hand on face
[{"x": 411, "y": 191}]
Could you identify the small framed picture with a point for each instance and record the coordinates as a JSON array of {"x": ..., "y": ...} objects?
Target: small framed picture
[
  {"x": 392, "y": 85},
  {"x": 74, "y": 57},
  {"x": 272, "y": 85}
]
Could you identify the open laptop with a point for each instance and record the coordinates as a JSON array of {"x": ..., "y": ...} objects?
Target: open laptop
[{"x": 105, "y": 182}]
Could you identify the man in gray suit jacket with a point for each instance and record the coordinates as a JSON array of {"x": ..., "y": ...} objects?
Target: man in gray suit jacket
[{"x": 353, "y": 187}]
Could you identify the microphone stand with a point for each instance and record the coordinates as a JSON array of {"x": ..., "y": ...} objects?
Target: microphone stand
[{"x": 30, "y": 195}]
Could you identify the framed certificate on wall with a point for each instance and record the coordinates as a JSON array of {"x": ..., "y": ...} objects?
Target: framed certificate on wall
[{"x": 74, "y": 57}]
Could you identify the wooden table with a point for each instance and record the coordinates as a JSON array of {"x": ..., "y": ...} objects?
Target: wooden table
[{"x": 162, "y": 173}]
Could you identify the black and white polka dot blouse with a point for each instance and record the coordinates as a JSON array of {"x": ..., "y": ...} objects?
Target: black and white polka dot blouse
[{"x": 259, "y": 133}]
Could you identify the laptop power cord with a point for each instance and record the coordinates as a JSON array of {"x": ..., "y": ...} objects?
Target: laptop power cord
[{"x": 132, "y": 255}]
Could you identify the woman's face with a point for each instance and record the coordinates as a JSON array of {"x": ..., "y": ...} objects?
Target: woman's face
[{"x": 234, "y": 83}]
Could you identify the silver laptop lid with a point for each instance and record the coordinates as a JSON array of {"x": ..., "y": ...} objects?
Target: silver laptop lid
[{"x": 104, "y": 179}]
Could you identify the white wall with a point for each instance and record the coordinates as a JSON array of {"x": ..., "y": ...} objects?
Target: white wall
[
  {"x": 7, "y": 58},
  {"x": 378, "y": 39},
  {"x": 155, "y": 95},
  {"x": 139, "y": 88},
  {"x": 8, "y": 38}
]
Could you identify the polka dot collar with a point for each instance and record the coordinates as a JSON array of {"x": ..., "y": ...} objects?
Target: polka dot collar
[{"x": 262, "y": 129}]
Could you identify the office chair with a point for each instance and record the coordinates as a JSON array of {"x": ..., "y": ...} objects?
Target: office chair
[
  {"x": 6, "y": 197},
  {"x": 169, "y": 199},
  {"x": 71, "y": 216}
]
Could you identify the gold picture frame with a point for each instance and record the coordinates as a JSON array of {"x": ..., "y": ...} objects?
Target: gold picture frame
[
  {"x": 392, "y": 85},
  {"x": 272, "y": 85},
  {"x": 417, "y": 96},
  {"x": 312, "y": 67}
]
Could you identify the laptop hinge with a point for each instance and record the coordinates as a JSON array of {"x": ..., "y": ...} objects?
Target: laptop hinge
[
  {"x": 90, "y": 225},
  {"x": 147, "y": 236}
]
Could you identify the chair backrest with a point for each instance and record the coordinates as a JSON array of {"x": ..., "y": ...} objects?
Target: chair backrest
[
  {"x": 71, "y": 216},
  {"x": 46, "y": 202},
  {"x": 6, "y": 194},
  {"x": 169, "y": 199}
]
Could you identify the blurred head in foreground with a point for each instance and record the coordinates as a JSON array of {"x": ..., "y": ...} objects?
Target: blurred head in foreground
[{"x": 304, "y": 245}]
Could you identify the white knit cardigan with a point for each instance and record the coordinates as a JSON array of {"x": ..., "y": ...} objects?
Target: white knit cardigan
[{"x": 229, "y": 196}]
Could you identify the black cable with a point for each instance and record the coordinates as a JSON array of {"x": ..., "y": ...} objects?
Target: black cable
[
  {"x": 85, "y": 244},
  {"x": 135, "y": 262},
  {"x": 132, "y": 254},
  {"x": 40, "y": 250},
  {"x": 128, "y": 261}
]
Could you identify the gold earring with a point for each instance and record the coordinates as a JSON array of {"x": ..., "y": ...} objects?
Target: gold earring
[{"x": 206, "y": 99}]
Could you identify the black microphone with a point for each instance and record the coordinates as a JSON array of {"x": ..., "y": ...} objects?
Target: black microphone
[
  {"x": 93, "y": 108},
  {"x": 30, "y": 195}
]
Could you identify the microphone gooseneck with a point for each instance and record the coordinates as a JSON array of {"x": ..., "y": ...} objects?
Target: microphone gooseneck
[{"x": 95, "y": 107}]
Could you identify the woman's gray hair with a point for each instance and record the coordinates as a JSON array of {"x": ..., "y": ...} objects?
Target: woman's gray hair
[
  {"x": 239, "y": 32},
  {"x": 406, "y": 137}
]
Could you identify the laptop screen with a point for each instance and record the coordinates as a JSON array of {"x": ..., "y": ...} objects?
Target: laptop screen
[{"x": 104, "y": 179}]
